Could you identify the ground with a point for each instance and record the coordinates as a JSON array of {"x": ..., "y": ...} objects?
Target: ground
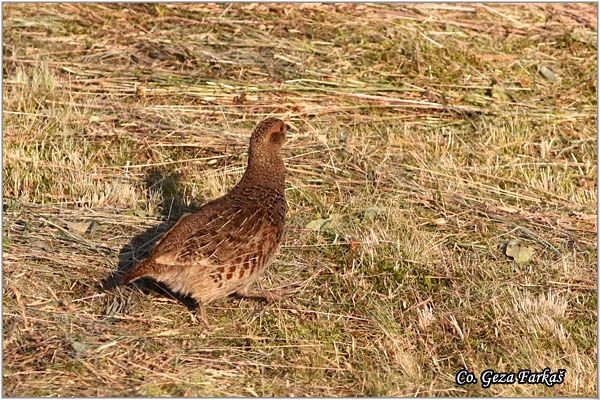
[{"x": 424, "y": 138}]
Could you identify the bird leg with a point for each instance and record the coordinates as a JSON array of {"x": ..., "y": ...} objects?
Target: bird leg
[
  {"x": 269, "y": 295},
  {"x": 203, "y": 315},
  {"x": 201, "y": 312}
]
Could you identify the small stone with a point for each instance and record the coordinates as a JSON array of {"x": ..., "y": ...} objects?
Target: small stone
[{"x": 548, "y": 74}]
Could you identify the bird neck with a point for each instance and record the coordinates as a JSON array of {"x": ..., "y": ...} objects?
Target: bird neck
[{"x": 266, "y": 170}]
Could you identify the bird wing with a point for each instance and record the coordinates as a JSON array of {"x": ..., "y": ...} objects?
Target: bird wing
[{"x": 214, "y": 235}]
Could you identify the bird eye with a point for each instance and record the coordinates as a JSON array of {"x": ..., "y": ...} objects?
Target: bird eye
[{"x": 277, "y": 136}]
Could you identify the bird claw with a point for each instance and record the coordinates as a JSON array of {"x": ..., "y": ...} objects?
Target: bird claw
[{"x": 202, "y": 315}]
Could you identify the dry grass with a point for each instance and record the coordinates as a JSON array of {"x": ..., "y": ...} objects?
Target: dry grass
[{"x": 429, "y": 130}]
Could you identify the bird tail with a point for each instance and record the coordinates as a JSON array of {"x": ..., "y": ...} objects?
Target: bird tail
[{"x": 136, "y": 272}]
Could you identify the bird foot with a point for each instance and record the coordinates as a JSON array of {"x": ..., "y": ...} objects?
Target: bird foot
[
  {"x": 202, "y": 314},
  {"x": 269, "y": 295}
]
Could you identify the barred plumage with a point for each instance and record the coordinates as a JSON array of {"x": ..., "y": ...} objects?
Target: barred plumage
[{"x": 224, "y": 246}]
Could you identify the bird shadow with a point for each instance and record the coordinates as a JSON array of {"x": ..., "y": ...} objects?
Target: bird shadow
[{"x": 172, "y": 207}]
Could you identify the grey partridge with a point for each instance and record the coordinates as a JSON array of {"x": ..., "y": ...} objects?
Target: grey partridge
[{"x": 224, "y": 246}]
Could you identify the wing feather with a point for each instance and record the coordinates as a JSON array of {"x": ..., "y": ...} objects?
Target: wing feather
[{"x": 214, "y": 236}]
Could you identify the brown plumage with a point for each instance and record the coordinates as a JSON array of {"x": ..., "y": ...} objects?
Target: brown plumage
[{"x": 224, "y": 246}]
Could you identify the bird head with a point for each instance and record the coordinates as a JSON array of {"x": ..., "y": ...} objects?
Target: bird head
[
  {"x": 265, "y": 162},
  {"x": 269, "y": 135}
]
